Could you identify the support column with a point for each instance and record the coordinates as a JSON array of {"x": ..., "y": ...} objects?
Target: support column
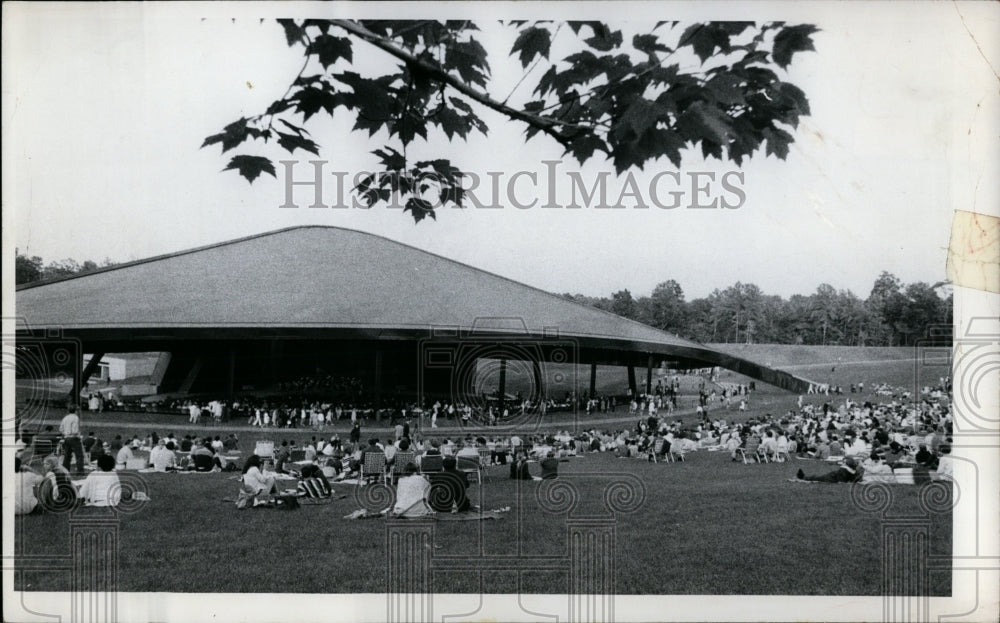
[
  {"x": 649, "y": 375},
  {"x": 593, "y": 379},
  {"x": 536, "y": 372},
  {"x": 231, "y": 378},
  {"x": 378, "y": 381},
  {"x": 502, "y": 390},
  {"x": 631, "y": 379},
  {"x": 88, "y": 371}
]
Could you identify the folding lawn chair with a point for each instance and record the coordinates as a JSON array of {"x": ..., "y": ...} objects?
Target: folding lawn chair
[
  {"x": 373, "y": 466},
  {"x": 431, "y": 463},
  {"x": 657, "y": 450},
  {"x": 399, "y": 463},
  {"x": 470, "y": 465}
]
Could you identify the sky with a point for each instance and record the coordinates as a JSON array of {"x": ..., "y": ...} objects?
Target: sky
[{"x": 105, "y": 107}]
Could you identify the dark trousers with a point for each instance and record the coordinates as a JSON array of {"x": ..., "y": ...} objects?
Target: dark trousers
[{"x": 73, "y": 446}]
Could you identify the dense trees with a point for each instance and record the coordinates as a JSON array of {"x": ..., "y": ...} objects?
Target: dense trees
[
  {"x": 28, "y": 269},
  {"x": 892, "y": 315}
]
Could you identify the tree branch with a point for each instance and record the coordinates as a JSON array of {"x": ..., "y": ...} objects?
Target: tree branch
[{"x": 544, "y": 124}]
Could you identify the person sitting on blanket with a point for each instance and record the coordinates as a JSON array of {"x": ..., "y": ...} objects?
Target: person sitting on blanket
[
  {"x": 926, "y": 458},
  {"x": 102, "y": 487},
  {"x": 125, "y": 454},
  {"x": 57, "y": 490},
  {"x": 411, "y": 494},
  {"x": 25, "y": 485},
  {"x": 449, "y": 488},
  {"x": 519, "y": 466},
  {"x": 282, "y": 457},
  {"x": 313, "y": 470},
  {"x": 849, "y": 471},
  {"x": 162, "y": 458},
  {"x": 203, "y": 458},
  {"x": 946, "y": 464},
  {"x": 257, "y": 485},
  {"x": 550, "y": 466}
]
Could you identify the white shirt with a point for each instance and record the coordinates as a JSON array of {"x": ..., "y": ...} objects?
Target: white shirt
[
  {"x": 410, "y": 495},
  {"x": 101, "y": 489},
  {"x": 162, "y": 458},
  {"x": 24, "y": 487},
  {"x": 70, "y": 425}
]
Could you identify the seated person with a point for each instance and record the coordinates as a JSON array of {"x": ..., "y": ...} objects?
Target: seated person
[
  {"x": 849, "y": 471},
  {"x": 434, "y": 450},
  {"x": 411, "y": 494},
  {"x": 203, "y": 459},
  {"x": 313, "y": 470},
  {"x": 260, "y": 488},
  {"x": 926, "y": 458},
  {"x": 102, "y": 487},
  {"x": 124, "y": 455},
  {"x": 876, "y": 470},
  {"x": 56, "y": 490},
  {"x": 946, "y": 464},
  {"x": 162, "y": 458},
  {"x": 282, "y": 457},
  {"x": 769, "y": 445},
  {"x": 25, "y": 483},
  {"x": 449, "y": 489},
  {"x": 519, "y": 466},
  {"x": 469, "y": 449},
  {"x": 372, "y": 448},
  {"x": 550, "y": 466}
]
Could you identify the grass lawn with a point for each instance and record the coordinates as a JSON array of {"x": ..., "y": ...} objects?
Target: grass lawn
[{"x": 705, "y": 526}]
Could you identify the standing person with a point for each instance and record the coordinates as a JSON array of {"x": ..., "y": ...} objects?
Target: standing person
[
  {"x": 355, "y": 436},
  {"x": 72, "y": 444}
]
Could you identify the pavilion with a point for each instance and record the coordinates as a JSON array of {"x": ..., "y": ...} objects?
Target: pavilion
[{"x": 249, "y": 312}]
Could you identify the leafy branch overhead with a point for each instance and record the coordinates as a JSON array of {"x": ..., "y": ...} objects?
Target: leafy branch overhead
[{"x": 713, "y": 86}]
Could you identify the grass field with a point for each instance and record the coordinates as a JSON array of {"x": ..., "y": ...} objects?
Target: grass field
[{"x": 705, "y": 526}]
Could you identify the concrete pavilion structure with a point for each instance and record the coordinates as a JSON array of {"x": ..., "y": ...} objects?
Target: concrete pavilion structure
[{"x": 254, "y": 311}]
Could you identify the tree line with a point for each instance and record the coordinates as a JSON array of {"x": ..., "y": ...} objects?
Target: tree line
[
  {"x": 893, "y": 314},
  {"x": 28, "y": 269}
]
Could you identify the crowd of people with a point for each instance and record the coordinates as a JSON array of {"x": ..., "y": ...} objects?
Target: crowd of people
[{"x": 869, "y": 440}]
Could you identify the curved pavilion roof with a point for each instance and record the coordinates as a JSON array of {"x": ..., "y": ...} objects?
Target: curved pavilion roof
[{"x": 322, "y": 278}]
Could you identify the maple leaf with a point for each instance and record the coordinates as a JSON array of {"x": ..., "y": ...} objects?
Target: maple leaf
[{"x": 251, "y": 167}]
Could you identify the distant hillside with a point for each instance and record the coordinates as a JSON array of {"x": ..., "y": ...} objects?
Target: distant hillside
[{"x": 782, "y": 355}]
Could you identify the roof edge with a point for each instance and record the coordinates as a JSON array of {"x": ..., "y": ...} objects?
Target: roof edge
[{"x": 216, "y": 245}]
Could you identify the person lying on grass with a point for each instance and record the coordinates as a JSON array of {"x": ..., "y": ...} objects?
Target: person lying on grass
[{"x": 849, "y": 471}]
